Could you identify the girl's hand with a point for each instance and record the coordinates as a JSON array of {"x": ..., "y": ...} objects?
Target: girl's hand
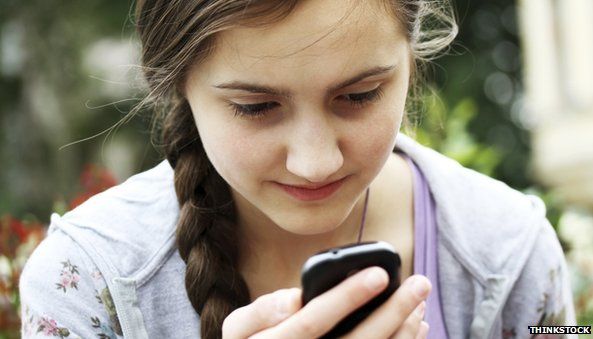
[{"x": 281, "y": 315}]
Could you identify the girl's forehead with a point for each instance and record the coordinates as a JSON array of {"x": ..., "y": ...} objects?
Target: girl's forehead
[
  {"x": 313, "y": 27},
  {"x": 317, "y": 35}
]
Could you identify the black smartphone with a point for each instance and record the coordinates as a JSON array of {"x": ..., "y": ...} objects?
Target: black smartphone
[{"x": 328, "y": 268}]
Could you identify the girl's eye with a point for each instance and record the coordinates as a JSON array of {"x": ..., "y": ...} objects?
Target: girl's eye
[
  {"x": 357, "y": 100},
  {"x": 253, "y": 111}
]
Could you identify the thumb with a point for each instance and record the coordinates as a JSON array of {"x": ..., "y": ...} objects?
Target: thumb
[{"x": 265, "y": 312}]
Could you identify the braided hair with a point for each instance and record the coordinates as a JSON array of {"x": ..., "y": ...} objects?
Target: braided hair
[{"x": 205, "y": 234}]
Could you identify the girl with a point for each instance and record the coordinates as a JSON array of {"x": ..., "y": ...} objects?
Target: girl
[{"x": 280, "y": 130}]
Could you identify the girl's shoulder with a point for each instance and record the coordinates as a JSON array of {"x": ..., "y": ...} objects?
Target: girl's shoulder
[
  {"x": 497, "y": 250},
  {"x": 86, "y": 277},
  {"x": 482, "y": 221}
]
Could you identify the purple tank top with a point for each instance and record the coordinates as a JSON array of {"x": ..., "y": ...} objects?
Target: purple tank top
[{"x": 425, "y": 250}]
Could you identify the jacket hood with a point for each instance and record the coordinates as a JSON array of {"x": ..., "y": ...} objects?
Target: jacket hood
[{"x": 130, "y": 227}]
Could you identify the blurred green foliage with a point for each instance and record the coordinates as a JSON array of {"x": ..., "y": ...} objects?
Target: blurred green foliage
[{"x": 49, "y": 97}]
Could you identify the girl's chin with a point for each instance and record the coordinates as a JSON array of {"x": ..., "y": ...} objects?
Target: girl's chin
[
  {"x": 310, "y": 231},
  {"x": 310, "y": 226}
]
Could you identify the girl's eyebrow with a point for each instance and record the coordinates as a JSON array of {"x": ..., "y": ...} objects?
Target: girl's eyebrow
[{"x": 255, "y": 88}]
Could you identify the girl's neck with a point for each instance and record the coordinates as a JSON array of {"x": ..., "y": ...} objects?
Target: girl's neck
[
  {"x": 272, "y": 258},
  {"x": 268, "y": 245}
]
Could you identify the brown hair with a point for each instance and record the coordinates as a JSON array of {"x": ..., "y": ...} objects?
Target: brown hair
[{"x": 177, "y": 34}]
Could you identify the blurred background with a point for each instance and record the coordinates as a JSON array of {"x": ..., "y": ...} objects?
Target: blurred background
[{"x": 513, "y": 99}]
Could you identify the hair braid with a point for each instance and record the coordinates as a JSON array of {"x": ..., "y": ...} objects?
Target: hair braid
[{"x": 205, "y": 230}]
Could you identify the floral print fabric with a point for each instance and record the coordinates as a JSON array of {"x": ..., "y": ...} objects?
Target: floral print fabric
[
  {"x": 69, "y": 276},
  {"x": 66, "y": 298}
]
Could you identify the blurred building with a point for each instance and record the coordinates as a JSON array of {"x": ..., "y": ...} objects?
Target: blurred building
[{"x": 557, "y": 39}]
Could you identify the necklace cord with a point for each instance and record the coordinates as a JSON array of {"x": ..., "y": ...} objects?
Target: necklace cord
[{"x": 364, "y": 214}]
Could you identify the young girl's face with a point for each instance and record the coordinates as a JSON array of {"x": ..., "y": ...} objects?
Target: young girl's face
[{"x": 318, "y": 100}]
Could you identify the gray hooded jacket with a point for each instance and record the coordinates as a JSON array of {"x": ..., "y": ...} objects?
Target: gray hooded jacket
[{"x": 110, "y": 267}]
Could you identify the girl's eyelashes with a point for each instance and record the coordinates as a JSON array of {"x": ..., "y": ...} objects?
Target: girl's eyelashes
[
  {"x": 356, "y": 100},
  {"x": 253, "y": 111},
  {"x": 359, "y": 100}
]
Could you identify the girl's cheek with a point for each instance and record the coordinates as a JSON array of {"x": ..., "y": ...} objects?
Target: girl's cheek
[
  {"x": 375, "y": 139},
  {"x": 238, "y": 154}
]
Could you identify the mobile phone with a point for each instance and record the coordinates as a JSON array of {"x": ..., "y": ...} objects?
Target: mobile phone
[{"x": 328, "y": 268}]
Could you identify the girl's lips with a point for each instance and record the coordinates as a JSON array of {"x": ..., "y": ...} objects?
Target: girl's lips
[{"x": 306, "y": 194}]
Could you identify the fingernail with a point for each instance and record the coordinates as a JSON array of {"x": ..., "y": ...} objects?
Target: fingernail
[
  {"x": 421, "y": 286},
  {"x": 421, "y": 309},
  {"x": 375, "y": 279},
  {"x": 423, "y": 332}
]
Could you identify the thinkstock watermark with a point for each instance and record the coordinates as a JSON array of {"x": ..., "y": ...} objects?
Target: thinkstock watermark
[{"x": 560, "y": 329}]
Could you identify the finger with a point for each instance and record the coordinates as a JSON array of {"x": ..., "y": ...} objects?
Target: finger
[
  {"x": 323, "y": 312},
  {"x": 410, "y": 328},
  {"x": 387, "y": 319},
  {"x": 266, "y": 311},
  {"x": 423, "y": 331}
]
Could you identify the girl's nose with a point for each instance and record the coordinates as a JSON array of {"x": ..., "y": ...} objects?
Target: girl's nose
[{"x": 313, "y": 151}]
